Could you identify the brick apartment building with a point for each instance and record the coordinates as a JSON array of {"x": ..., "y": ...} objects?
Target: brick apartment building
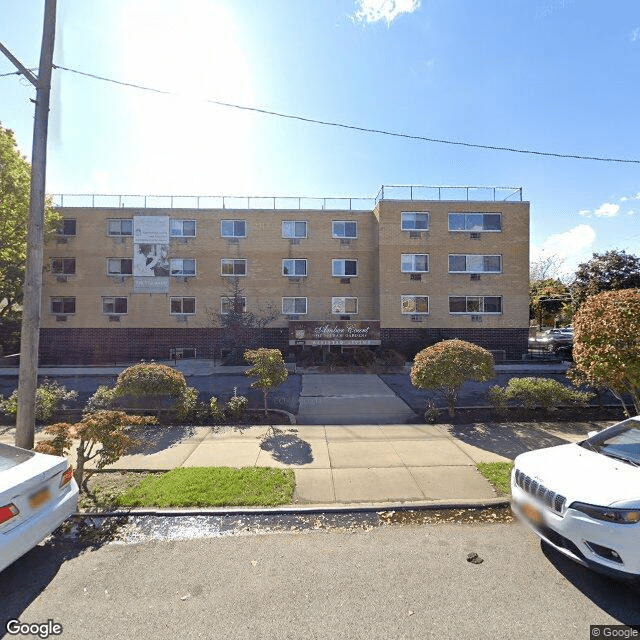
[{"x": 141, "y": 277}]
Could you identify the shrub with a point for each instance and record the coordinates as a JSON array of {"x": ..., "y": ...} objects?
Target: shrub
[
  {"x": 363, "y": 357},
  {"x": 235, "y": 407},
  {"x": 445, "y": 366},
  {"x": 216, "y": 412},
  {"x": 100, "y": 400},
  {"x": 150, "y": 379},
  {"x": 50, "y": 398},
  {"x": 536, "y": 393},
  {"x": 145, "y": 383},
  {"x": 393, "y": 358}
]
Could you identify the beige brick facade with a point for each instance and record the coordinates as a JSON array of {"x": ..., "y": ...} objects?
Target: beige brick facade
[{"x": 496, "y": 297}]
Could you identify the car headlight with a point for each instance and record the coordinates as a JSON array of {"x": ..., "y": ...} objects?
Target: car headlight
[{"x": 608, "y": 514}]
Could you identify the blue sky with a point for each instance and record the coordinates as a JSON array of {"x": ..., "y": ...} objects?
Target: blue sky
[{"x": 560, "y": 76}]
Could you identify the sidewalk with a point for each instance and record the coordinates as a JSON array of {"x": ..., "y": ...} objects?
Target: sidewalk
[{"x": 351, "y": 465}]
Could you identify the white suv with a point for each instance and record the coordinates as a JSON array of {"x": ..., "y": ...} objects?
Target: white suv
[{"x": 584, "y": 499}]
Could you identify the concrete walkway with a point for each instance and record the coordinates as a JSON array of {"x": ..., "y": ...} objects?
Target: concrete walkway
[{"x": 349, "y": 399}]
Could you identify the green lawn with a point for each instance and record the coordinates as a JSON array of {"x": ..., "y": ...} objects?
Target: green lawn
[
  {"x": 498, "y": 474},
  {"x": 213, "y": 487}
]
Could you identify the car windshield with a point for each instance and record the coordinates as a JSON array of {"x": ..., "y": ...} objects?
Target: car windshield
[
  {"x": 12, "y": 456},
  {"x": 621, "y": 442}
]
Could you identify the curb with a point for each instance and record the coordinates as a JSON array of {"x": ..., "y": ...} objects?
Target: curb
[{"x": 444, "y": 505}]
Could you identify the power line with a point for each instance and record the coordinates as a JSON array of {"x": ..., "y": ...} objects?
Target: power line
[
  {"x": 352, "y": 127},
  {"x": 16, "y": 73}
]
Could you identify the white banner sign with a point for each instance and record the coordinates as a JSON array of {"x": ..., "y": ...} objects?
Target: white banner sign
[{"x": 151, "y": 229}]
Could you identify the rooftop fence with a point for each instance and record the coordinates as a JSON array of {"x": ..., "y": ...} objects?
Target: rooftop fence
[{"x": 386, "y": 192}]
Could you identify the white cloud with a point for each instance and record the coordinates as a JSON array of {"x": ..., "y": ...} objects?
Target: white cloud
[
  {"x": 387, "y": 10},
  {"x": 605, "y": 210},
  {"x": 626, "y": 198},
  {"x": 635, "y": 35},
  {"x": 571, "y": 247}
]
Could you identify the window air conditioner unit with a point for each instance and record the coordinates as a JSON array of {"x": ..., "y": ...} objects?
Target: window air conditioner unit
[
  {"x": 294, "y": 316},
  {"x": 416, "y": 276},
  {"x": 345, "y": 280},
  {"x": 416, "y": 318},
  {"x": 345, "y": 317},
  {"x": 294, "y": 241},
  {"x": 474, "y": 236},
  {"x": 476, "y": 318},
  {"x": 114, "y": 318},
  {"x": 233, "y": 240},
  {"x": 415, "y": 234},
  {"x": 181, "y": 318},
  {"x": 61, "y": 318},
  {"x": 62, "y": 278},
  {"x": 294, "y": 279},
  {"x": 475, "y": 276},
  {"x": 61, "y": 240},
  {"x": 345, "y": 242}
]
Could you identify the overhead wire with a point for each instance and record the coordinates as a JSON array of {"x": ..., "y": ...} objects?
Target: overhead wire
[{"x": 352, "y": 127}]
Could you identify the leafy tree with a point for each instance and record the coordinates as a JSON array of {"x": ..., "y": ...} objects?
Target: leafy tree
[
  {"x": 15, "y": 179},
  {"x": 242, "y": 328},
  {"x": 445, "y": 366},
  {"x": 548, "y": 300},
  {"x": 268, "y": 368},
  {"x": 608, "y": 271},
  {"x": 606, "y": 344},
  {"x": 102, "y": 437}
]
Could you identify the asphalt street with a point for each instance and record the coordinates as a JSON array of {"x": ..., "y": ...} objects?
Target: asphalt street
[{"x": 393, "y": 581}]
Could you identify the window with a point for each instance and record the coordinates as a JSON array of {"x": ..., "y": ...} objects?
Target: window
[
  {"x": 474, "y": 264},
  {"x": 294, "y": 229},
  {"x": 120, "y": 227},
  {"x": 475, "y": 222},
  {"x": 63, "y": 305},
  {"x": 183, "y": 228},
  {"x": 344, "y": 229},
  {"x": 67, "y": 227},
  {"x": 414, "y": 304},
  {"x": 294, "y": 268},
  {"x": 119, "y": 266},
  {"x": 182, "y": 306},
  {"x": 475, "y": 304},
  {"x": 344, "y": 268},
  {"x": 226, "y": 305},
  {"x": 114, "y": 305},
  {"x": 294, "y": 306},
  {"x": 344, "y": 305},
  {"x": 182, "y": 267},
  {"x": 230, "y": 267},
  {"x": 415, "y": 262},
  {"x": 63, "y": 266},
  {"x": 414, "y": 221},
  {"x": 233, "y": 228}
]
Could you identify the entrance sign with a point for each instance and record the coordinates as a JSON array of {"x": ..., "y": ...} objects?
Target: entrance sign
[{"x": 345, "y": 333}]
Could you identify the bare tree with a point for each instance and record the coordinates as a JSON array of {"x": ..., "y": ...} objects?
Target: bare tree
[{"x": 242, "y": 328}]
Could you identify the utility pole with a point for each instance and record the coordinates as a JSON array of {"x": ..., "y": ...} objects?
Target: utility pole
[{"x": 32, "y": 292}]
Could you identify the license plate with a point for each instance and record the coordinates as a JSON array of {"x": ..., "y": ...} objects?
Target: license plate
[
  {"x": 532, "y": 513},
  {"x": 39, "y": 498}
]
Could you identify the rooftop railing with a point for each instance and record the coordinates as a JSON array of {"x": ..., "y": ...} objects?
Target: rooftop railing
[{"x": 386, "y": 192}]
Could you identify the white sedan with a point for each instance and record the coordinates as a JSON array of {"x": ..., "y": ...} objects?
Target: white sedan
[
  {"x": 37, "y": 494},
  {"x": 584, "y": 498}
]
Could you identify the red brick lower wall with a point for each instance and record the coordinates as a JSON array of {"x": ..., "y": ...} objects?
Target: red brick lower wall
[{"x": 111, "y": 345}]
